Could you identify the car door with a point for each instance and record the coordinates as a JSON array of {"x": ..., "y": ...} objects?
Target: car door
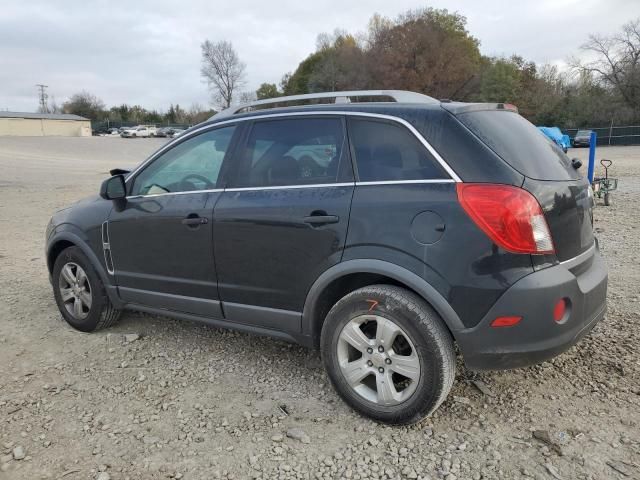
[
  {"x": 161, "y": 239},
  {"x": 283, "y": 217}
]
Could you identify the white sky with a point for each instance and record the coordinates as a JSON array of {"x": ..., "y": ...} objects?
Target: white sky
[{"x": 147, "y": 52}]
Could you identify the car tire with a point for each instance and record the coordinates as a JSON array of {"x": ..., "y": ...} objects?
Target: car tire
[
  {"x": 80, "y": 294},
  {"x": 388, "y": 354}
]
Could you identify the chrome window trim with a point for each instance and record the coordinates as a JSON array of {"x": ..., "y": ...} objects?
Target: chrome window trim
[
  {"x": 152, "y": 195},
  {"x": 403, "y": 182},
  {"x": 572, "y": 262},
  {"x": 287, "y": 187},
  {"x": 392, "y": 118}
]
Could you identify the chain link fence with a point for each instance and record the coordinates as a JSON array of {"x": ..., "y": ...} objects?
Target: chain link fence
[{"x": 612, "y": 135}]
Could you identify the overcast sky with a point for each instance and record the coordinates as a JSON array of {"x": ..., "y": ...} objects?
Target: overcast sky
[{"x": 148, "y": 52}]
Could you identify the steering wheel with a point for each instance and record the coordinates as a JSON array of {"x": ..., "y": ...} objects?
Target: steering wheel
[{"x": 199, "y": 178}]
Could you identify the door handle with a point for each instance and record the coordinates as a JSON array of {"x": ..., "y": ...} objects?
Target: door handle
[
  {"x": 316, "y": 220},
  {"x": 194, "y": 220}
]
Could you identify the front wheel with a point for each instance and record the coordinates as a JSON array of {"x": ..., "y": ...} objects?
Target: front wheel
[
  {"x": 388, "y": 354},
  {"x": 80, "y": 294}
]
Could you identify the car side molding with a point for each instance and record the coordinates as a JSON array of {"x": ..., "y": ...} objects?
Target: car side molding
[{"x": 311, "y": 324}]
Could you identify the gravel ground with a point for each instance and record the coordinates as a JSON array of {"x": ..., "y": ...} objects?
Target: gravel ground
[{"x": 183, "y": 400}]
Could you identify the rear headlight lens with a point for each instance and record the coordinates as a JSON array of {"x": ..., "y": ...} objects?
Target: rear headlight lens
[{"x": 509, "y": 215}]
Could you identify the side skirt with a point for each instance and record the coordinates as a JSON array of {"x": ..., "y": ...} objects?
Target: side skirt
[{"x": 219, "y": 323}]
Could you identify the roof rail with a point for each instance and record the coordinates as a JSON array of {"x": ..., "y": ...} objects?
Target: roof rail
[{"x": 400, "y": 96}]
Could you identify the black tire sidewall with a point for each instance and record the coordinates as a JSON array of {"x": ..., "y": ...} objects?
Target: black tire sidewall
[
  {"x": 427, "y": 392},
  {"x": 98, "y": 294}
]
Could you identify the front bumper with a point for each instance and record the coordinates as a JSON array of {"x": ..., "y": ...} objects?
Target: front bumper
[{"x": 538, "y": 337}]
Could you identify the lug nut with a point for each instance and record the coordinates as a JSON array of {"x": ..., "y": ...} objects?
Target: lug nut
[
  {"x": 369, "y": 350},
  {"x": 381, "y": 349},
  {"x": 370, "y": 363},
  {"x": 387, "y": 361},
  {"x": 381, "y": 370}
]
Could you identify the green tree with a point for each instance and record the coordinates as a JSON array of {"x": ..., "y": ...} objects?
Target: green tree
[{"x": 267, "y": 90}]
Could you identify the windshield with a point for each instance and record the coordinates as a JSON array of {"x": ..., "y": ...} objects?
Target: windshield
[{"x": 583, "y": 133}]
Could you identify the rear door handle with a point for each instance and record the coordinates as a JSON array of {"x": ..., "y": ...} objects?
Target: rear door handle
[
  {"x": 315, "y": 220},
  {"x": 194, "y": 220}
]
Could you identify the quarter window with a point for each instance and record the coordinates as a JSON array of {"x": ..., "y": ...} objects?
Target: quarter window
[
  {"x": 303, "y": 151},
  {"x": 386, "y": 151},
  {"x": 189, "y": 166}
]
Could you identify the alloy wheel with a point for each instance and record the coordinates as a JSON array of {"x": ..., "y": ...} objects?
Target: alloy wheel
[
  {"x": 75, "y": 290},
  {"x": 378, "y": 360}
]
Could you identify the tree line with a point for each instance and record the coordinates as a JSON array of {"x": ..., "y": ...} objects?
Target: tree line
[
  {"x": 92, "y": 107},
  {"x": 431, "y": 51},
  {"x": 428, "y": 51}
]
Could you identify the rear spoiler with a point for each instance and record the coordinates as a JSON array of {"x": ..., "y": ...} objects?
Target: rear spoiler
[{"x": 457, "y": 108}]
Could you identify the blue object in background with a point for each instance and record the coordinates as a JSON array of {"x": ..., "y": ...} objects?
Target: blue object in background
[
  {"x": 555, "y": 135},
  {"x": 592, "y": 155}
]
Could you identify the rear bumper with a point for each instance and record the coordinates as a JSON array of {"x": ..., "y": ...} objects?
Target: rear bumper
[{"x": 538, "y": 337}]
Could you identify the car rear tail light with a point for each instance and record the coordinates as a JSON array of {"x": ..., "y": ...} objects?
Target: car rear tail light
[
  {"x": 509, "y": 215},
  {"x": 506, "y": 321}
]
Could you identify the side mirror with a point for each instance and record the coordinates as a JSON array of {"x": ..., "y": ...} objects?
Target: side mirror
[{"x": 113, "y": 188}]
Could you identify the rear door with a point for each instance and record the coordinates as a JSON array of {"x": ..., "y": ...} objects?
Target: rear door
[
  {"x": 561, "y": 190},
  {"x": 282, "y": 219}
]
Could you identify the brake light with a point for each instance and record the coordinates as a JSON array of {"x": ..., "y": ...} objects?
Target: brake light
[{"x": 509, "y": 215}]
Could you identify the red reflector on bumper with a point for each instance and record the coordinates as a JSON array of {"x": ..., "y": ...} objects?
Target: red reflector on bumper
[
  {"x": 506, "y": 321},
  {"x": 559, "y": 310}
]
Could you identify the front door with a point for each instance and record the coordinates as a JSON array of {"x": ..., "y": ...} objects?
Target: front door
[
  {"x": 283, "y": 218},
  {"x": 162, "y": 239}
]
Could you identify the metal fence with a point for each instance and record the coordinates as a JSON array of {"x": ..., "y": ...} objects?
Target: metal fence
[{"x": 612, "y": 135}]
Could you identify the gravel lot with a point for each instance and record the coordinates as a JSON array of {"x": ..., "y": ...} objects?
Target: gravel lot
[{"x": 183, "y": 400}]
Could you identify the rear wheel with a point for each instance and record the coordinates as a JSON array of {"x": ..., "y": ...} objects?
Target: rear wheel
[
  {"x": 388, "y": 354},
  {"x": 80, "y": 294},
  {"x": 607, "y": 199}
]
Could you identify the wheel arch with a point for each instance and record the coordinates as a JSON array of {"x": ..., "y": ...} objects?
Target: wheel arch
[
  {"x": 350, "y": 275},
  {"x": 65, "y": 239}
]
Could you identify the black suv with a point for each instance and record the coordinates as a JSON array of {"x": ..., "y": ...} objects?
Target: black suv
[{"x": 381, "y": 232}]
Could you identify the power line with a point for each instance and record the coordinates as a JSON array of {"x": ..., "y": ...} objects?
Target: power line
[{"x": 44, "y": 108}]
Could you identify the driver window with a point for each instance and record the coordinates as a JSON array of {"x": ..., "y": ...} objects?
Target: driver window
[{"x": 189, "y": 166}]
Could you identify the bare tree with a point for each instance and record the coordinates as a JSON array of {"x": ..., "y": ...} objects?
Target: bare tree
[
  {"x": 223, "y": 70},
  {"x": 616, "y": 62}
]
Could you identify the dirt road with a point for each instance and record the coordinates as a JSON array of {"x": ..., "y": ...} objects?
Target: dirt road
[{"x": 182, "y": 400}]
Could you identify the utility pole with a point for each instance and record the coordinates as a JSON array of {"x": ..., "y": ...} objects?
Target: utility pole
[{"x": 43, "y": 98}]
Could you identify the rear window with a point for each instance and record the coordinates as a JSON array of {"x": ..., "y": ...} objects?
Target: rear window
[{"x": 520, "y": 144}]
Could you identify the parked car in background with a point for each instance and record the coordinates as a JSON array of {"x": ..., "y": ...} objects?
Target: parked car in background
[
  {"x": 389, "y": 236},
  {"x": 163, "y": 132},
  {"x": 582, "y": 138},
  {"x": 139, "y": 131},
  {"x": 176, "y": 132},
  {"x": 556, "y": 136}
]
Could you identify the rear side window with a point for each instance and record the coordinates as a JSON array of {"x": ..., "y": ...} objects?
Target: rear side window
[
  {"x": 301, "y": 151},
  {"x": 387, "y": 151},
  {"x": 520, "y": 144}
]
